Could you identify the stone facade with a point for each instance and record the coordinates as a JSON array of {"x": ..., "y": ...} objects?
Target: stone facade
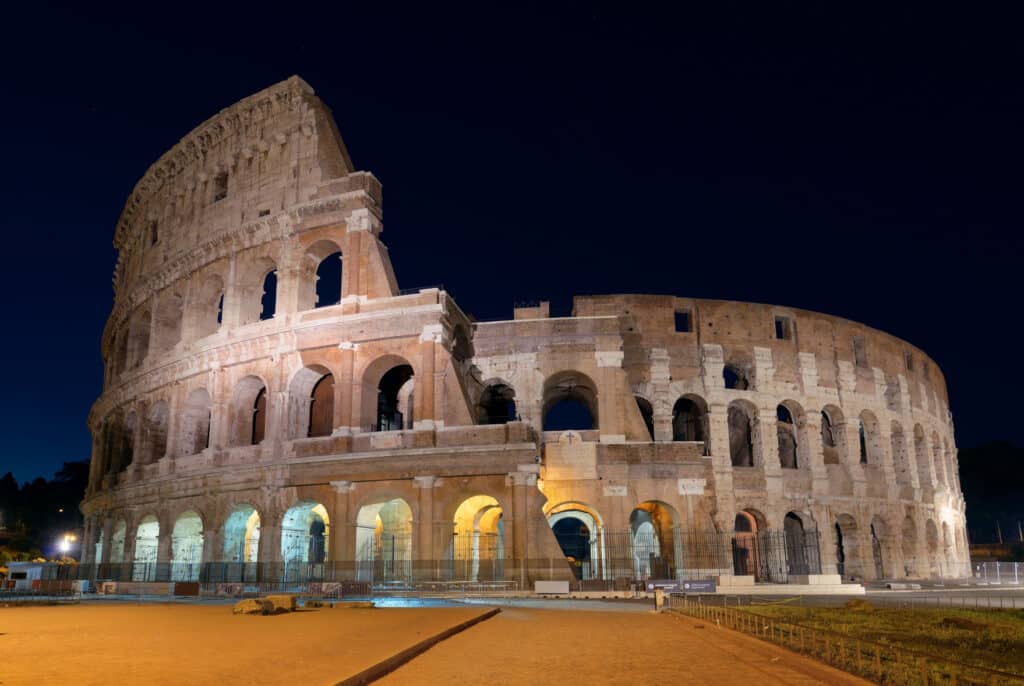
[{"x": 244, "y": 420}]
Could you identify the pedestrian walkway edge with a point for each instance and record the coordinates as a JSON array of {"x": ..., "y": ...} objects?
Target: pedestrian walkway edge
[{"x": 388, "y": 665}]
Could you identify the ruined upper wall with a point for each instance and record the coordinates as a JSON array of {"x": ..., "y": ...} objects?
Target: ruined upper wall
[
  {"x": 648, "y": 322},
  {"x": 253, "y": 159}
]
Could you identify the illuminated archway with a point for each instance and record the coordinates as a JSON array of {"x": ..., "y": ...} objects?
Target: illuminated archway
[
  {"x": 146, "y": 541},
  {"x": 242, "y": 535},
  {"x": 478, "y": 540},
  {"x": 384, "y": 541},
  {"x": 186, "y": 547},
  {"x": 305, "y": 531}
]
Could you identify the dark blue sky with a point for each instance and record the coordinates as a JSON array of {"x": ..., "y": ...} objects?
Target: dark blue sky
[{"x": 861, "y": 162}]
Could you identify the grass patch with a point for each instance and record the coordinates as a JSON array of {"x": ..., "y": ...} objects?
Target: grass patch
[{"x": 983, "y": 638}]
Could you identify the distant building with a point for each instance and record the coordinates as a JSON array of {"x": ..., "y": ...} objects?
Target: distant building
[{"x": 272, "y": 396}]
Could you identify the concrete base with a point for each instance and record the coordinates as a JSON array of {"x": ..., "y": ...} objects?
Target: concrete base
[
  {"x": 816, "y": 579},
  {"x": 793, "y": 589},
  {"x": 734, "y": 581}
]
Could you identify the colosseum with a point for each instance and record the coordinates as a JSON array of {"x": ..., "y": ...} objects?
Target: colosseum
[{"x": 275, "y": 407}]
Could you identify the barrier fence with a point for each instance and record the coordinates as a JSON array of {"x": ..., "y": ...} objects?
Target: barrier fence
[
  {"x": 882, "y": 663},
  {"x": 1002, "y": 573},
  {"x": 594, "y": 560}
]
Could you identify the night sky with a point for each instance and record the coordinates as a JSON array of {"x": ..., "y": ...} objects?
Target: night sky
[{"x": 863, "y": 163}]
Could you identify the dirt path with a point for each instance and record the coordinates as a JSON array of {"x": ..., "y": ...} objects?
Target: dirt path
[
  {"x": 535, "y": 646},
  {"x": 195, "y": 644}
]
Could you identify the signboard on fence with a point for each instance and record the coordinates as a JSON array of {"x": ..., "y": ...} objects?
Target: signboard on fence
[
  {"x": 699, "y": 586},
  {"x": 667, "y": 585}
]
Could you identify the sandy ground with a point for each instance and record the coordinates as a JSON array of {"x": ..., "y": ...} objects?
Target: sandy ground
[
  {"x": 537, "y": 646},
  {"x": 204, "y": 644}
]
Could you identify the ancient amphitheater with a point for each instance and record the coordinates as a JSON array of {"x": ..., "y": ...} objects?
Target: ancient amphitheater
[{"x": 275, "y": 407}]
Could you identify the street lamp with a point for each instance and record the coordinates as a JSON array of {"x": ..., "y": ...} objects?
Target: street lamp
[{"x": 65, "y": 544}]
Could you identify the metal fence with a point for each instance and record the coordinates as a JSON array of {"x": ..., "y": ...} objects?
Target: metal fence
[
  {"x": 882, "y": 663},
  {"x": 1002, "y": 573}
]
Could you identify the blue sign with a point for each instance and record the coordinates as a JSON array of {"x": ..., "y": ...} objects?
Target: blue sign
[{"x": 699, "y": 586}]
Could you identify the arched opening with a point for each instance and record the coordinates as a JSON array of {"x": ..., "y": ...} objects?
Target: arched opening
[
  {"x": 147, "y": 536},
  {"x": 328, "y": 280},
  {"x": 138, "y": 338},
  {"x": 744, "y": 549},
  {"x": 909, "y": 546},
  {"x": 207, "y": 306},
  {"x": 689, "y": 419},
  {"x": 305, "y": 531},
  {"x": 395, "y": 386},
  {"x": 647, "y": 414},
  {"x": 248, "y": 412},
  {"x": 569, "y": 402},
  {"x": 186, "y": 547},
  {"x": 120, "y": 355},
  {"x": 154, "y": 435},
  {"x": 736, "y": 377},
  {"x": 848, "y": 562},
  {"x": 832, "y": 441},
  {"x": 785, "y": 429},
  {"x": 167, "y": 325},
  {"x": 870, "y": 443},
  {"x": 801, "y": 550},
  {"x": 497, "y": 404},
  {"x": 242, "y": 535},
  {"x": 118, "y": 435},
  {"x": 578, "y": 530},
  {"x": 319, "y": 278},
  {"x": 478, "y": 540},
  {"x": 384, "y": 541},
  {"x": 195, "y": 423},
  {"x": 653, "y": 528},
  {"x": 268, "y": 301},
  {"x": 311, "y": 403},
  {"x": 741, "y": 434},
  {"x": 462, "y": 346}
]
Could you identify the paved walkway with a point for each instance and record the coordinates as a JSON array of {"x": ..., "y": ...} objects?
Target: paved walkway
[{"x": 540, "y": 646}]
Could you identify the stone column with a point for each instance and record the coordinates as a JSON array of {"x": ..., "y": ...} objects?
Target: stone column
[
  {"x": 611, "y": 393},
  {"x": 213, "y": 544},
  {"x": 424, "y": 416},
  {"x": 346, "y": 416},
  {"x": 424, "y": 557},
  {"x": 721, "y": 464},
  {"x": 88, "y": 544},
  {"x": 342, "y": 552},
  {"x": 520, "y": 482},
  {"x": 231, "y": 314},
  {"x": 108, "y": 531},
  {"x": 661, "y": 402}
]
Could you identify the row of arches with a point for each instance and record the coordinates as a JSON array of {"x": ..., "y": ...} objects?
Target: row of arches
[{"x": 195, "y": 310}]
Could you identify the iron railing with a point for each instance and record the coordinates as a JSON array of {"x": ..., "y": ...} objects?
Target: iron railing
[{"x": 882, "y": 663}]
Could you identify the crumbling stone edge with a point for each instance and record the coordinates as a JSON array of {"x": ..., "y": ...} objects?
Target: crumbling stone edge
[{"x": 388, "y": 665}]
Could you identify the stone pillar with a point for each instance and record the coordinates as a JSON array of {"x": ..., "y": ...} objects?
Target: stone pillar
[
  {"x": 88, "y": 544},
  {"x": 108, "y": 531},
  {"x": 270, "y": 537},
  {"x": 520, "y": 482},
  {"x": 424, "y": 557},
  {"x": 611, "y": 393},
  {"x": 287, "y": 291},
  {"x": 721, "y": 464},
  {"x": 174, "y": 410},
  {"x": 213, "y": 543},
  {"x": 131, "y": 532},
  {"x": 424, "y": 416},
  {"x": 661, "y": 402},
  {"x": 342, "y": 550},
  {"x": 164, "y": 543},
  {"x": 346, "y": 415},
  {"x": 231, "y": 314}
]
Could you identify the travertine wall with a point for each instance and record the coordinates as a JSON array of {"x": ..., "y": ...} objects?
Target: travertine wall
[{"x": 207, "y": 402}]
